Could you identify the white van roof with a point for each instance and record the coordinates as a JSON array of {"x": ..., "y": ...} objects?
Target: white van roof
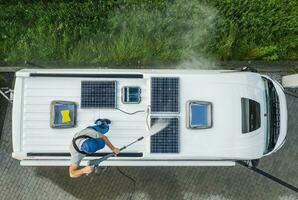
[{"x": 35, "y": 89}]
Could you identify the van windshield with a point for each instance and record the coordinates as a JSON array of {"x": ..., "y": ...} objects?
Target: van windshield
[
  {"x": 251, "y": 116},
  {"x": 273, "y": 115}
]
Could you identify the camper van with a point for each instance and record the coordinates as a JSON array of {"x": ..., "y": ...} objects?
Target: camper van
[{"x": 215, "y": 117}]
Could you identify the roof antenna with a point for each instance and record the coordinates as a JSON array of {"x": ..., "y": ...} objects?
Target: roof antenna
[{"x": 248, "y": 69}]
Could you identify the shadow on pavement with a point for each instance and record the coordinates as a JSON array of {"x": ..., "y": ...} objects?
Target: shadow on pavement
[{"x": 112, "y": 185}]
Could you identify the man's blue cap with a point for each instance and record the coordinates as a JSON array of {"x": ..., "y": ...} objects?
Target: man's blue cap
[
  {"x": 92, "y": 145},
  {"x": 101, "y": 125}
]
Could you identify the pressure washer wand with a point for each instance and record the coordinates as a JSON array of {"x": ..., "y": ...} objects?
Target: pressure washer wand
[
  {"x": 156, "y": 128},
  {"x": 96, "y": 162}
]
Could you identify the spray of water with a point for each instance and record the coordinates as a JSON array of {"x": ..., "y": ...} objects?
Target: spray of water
[
  {"x": 180, "y": 31},
  {"x": 158, "y": 126},
  {"x": 197, "y": 62}
]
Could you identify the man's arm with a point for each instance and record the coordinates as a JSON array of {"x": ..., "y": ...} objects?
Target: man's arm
[
  {"x": 75, "y": 172},
  {"x": 110, "y": 145}
]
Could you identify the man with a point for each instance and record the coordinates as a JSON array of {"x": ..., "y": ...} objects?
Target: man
[{"x": 88, "y": 141}]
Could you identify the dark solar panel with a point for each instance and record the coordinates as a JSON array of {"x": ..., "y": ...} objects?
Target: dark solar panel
[
  {"x": 164, "y": 95},
  {"x": 167, "y": 140},
  {"x": 98, "y": 94}
]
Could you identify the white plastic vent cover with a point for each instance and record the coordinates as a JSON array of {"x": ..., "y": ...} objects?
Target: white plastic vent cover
[{"x": 131, "y": 95}]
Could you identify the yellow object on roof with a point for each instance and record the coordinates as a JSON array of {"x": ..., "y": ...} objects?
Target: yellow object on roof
[{"x": 65, "y": 116}]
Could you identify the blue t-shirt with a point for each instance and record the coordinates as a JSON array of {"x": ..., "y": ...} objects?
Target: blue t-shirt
[{"x": 77, "y": 157}]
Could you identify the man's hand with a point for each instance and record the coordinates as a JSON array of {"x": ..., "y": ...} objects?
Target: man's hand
[{"x": 116, "y": 150}]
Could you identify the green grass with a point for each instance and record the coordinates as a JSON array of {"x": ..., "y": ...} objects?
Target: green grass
[{"x": 153, "y": 30}]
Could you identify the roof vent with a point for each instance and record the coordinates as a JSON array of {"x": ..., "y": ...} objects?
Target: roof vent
[
  {"x": 199, "y": 114},
  {"x": 131, "y": 95},
  {"x": 63, "y": 114}
]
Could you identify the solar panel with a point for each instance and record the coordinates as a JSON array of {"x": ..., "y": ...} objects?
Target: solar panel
[
  {"x": 167, "y": 140},
  {"x": 164, "y": 95},
  {"x": 98, "y": 94}
]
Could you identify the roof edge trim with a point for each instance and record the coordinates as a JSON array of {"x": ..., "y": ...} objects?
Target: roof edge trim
[
  {"x": 133, "y": 154},
  {"x": 133, "y": 76}
]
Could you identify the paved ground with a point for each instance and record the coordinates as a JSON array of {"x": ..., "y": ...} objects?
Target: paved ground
[{"x": 216, "y": 183}]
